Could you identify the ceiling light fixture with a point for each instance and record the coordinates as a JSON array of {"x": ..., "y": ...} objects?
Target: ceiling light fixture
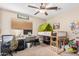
[{"x": 42, "y": 10}]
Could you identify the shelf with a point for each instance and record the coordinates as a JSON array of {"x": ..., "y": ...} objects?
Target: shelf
[
  {"x": 21, "y": 24},
  {"x": 53, "y": 36},
  {"x": 56, "y": 36},
  {"x": 53, "y": 41}
]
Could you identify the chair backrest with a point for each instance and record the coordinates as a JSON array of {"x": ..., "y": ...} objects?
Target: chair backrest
[{"x": 9, "y": 39}]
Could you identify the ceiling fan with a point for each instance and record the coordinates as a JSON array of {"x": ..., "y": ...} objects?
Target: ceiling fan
[{"x": 43, "y": 8}]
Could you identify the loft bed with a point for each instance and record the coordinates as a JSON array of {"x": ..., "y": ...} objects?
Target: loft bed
[{"x": 45, "y": 30}]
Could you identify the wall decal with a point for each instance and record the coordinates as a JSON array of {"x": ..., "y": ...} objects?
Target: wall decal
[{"x": 22, "y": 16}]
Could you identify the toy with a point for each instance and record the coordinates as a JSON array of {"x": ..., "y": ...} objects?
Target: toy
[
  {"x": 72, "y": 50},
  {"x": 73, "y": 47},
  {"x": 71, "y": 43},
  {"x": 77, "y": 43}
]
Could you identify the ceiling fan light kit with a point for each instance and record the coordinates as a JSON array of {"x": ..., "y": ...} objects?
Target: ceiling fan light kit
[{"x": 43, "y": 8}]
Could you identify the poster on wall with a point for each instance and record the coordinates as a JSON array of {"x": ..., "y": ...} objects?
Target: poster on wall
[
  {"x": 72, "y": 26},
  {"x": 56, "y": 26},
  {"x": 75, "y": 25}
]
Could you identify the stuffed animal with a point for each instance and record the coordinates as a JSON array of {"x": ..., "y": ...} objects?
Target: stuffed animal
[{"x": 73, "y": 47}]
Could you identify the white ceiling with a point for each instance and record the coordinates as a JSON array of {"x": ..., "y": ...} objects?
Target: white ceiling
[{"x": 23, "y": 8}]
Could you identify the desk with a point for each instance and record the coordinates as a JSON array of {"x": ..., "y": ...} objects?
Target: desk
[{"x": 28, "y": 39}]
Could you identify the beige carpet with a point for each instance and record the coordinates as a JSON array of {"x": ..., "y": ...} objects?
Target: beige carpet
[{"x": 41, "y": 50}]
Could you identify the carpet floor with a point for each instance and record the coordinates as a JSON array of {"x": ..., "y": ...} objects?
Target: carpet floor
[{"x": 42, "y": 50}]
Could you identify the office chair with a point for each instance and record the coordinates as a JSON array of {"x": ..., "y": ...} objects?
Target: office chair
[{"x": 8, "y": 45}]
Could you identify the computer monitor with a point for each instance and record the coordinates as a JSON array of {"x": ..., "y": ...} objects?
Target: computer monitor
[
  {"x": 7, "y": 38},
  {"x": 25, "y": 32}
]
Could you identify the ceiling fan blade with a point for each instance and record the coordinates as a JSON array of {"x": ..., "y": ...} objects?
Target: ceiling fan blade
[
  {"x": 50, "y": 8},
  {"x": 46, "y": 13},
  {"x": 33, "y": 6},
  {"x": 37, "y": 12}
]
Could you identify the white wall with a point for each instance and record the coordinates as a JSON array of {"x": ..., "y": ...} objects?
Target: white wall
[
  {"x": 0, "y": 20},
  {"x": 6, "y": 22},
  {"x": 65, "y": 18}
]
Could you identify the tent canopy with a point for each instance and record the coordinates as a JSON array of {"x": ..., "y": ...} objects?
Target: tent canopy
[{"x": 45, "y": 27}]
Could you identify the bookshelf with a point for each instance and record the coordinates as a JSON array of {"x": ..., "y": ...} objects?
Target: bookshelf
[{"x": 56, "y": 37}]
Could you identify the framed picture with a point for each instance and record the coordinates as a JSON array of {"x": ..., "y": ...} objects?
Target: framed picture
[
  {"x": 23, "y": 16},
  {"x": 73, "y": 26},
  {"x": 56, "y": 26},
  {"x": 77, "y": 25}
]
